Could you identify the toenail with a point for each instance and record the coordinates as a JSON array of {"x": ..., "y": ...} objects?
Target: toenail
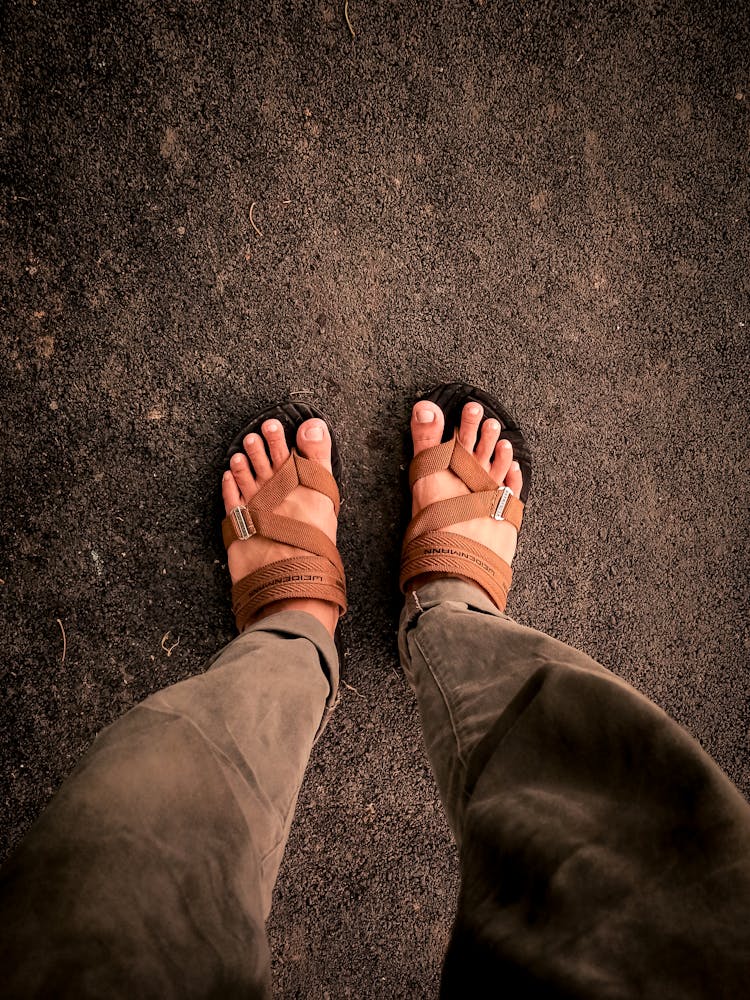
[
  {"x": 250, "y": 440},
  {"x": 493, "y": 425},
  {"x": 516, "y": 466},
  {"x": 272, "y": 426},
  {"x": 505, "y": 443},
  {"x": 474, "y": 409},
  {"x": 313, "y": 433},
  {"x": 236, "y": 459},
  {"x": 425, "y": 415},
  {"x": 227, "y": 476}
]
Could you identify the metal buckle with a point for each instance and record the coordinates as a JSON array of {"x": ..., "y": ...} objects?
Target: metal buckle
[
  {"x": 502, "y": 504},
  {"x": 243, "y": 526}
]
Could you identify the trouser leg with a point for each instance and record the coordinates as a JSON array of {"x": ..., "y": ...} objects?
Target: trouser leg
[
  {"x": 150, "y": 873},
  {"x": 603, "y": 854}
]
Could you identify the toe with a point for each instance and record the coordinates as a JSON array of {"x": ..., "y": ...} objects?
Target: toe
[
  {"x": 256, "y": 452},
  {"x": 487, "y": 440},
  {"x": 501, "y": 462},
  {"x": 471, "y": 417},
  {"x": 230, "y": 491},
  {"x": 243, "y": 476},
  {"x": 427, "y": 423},
  {"x": 514, "y": 479},
  {"x": 314, "y": 441},
  {"x": 273, "y": 432}
]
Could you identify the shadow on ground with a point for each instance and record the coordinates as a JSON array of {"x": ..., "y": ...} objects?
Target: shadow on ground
[{"x": 548, "y": 200}]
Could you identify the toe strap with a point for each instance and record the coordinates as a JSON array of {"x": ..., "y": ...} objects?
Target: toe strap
[
  {"x": 257, "y": 516},
  {"x": 311, "y": 577},
  {"x": 498, "y": 503},
  {"x": 449, "y": 554}
]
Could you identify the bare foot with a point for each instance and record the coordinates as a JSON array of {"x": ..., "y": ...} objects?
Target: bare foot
[
  {"x": 496, "y": 457},
  {"x": 247, "y": 473}
]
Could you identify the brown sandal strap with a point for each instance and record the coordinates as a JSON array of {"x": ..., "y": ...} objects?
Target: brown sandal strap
[
  {"x": 289, "y": 531},
  {"x": 315, "y": 477},
  {"x": 244, "y": 522},
  {"x": 276, "y": 528},
  {"x": 451, "y": 455},
  {"x": 453, "y": 555},
  {"x": 499, "y": 504},
  {"x": 491, "y": 500},
  {"x": 296, "y": 471},
  {"x": 299, "y": 577}
]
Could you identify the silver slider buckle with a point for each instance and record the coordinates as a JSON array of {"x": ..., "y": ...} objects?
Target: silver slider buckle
[
  {"x": 502, "y": 503},
  {"x": 243, "y": 526}
]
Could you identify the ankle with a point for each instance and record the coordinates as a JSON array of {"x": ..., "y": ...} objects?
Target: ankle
[{"x": 325, "y": 612}]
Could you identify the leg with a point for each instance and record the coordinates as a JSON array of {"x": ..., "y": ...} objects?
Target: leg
[
  {"x": 151, "y": 872},
  {"x": 466, "y": 663},
  {"x": 603, "y": 854}
]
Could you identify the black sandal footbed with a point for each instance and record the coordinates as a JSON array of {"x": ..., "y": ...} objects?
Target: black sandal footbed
[{"x": 451, "y": 397}]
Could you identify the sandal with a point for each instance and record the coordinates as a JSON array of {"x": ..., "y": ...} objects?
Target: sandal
[
  {"x": 317, "y": 572},
  {"x": 428, "y": 548}
]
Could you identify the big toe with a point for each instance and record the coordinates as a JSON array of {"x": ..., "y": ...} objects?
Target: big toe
[
  {"x": 427, "y": 423},
  {"x": 314, "y": 441}
]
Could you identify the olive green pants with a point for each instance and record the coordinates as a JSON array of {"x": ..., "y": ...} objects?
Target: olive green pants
[{"x": 603, "y": 854}]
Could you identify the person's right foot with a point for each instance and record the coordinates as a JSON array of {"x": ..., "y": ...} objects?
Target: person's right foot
[{"x": 496, "y": 457}]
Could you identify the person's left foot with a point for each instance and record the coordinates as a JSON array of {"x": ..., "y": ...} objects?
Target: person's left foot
[
  {"x": 264, "y": 455},
  {"x": 494, "y": 455}
]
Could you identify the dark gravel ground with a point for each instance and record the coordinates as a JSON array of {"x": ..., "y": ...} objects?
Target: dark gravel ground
[{"x": 550, "y": 200}]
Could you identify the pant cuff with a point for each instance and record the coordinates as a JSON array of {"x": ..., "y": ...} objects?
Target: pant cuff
[
  {"x": 300, "y": 625},
  {"x": 438, "y": 591}
]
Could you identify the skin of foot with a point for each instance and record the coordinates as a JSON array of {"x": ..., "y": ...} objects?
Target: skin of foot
[
  {"x": 264, "y": 454},
  {"x": 496, "y": 458}
]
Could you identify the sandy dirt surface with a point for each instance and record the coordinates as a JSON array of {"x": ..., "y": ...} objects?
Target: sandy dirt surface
[{"x": 549, "y": 200}]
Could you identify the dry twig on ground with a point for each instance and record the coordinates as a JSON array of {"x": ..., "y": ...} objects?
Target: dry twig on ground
[
  {"x": 168, "y": 649},
  {"x": 350, "y": 687},
  {"x": 65, "y": 641},
  {"x": 252, "y": 220},
  {"x": 346, "y": 17}
]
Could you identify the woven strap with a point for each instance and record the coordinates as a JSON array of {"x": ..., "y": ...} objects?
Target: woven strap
[
  {"x": 449, "y": 554},
  {"x": 300, "y": 576},
  {"x": 318, "y": 575},
  {"x": 429, "y": 549}
]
